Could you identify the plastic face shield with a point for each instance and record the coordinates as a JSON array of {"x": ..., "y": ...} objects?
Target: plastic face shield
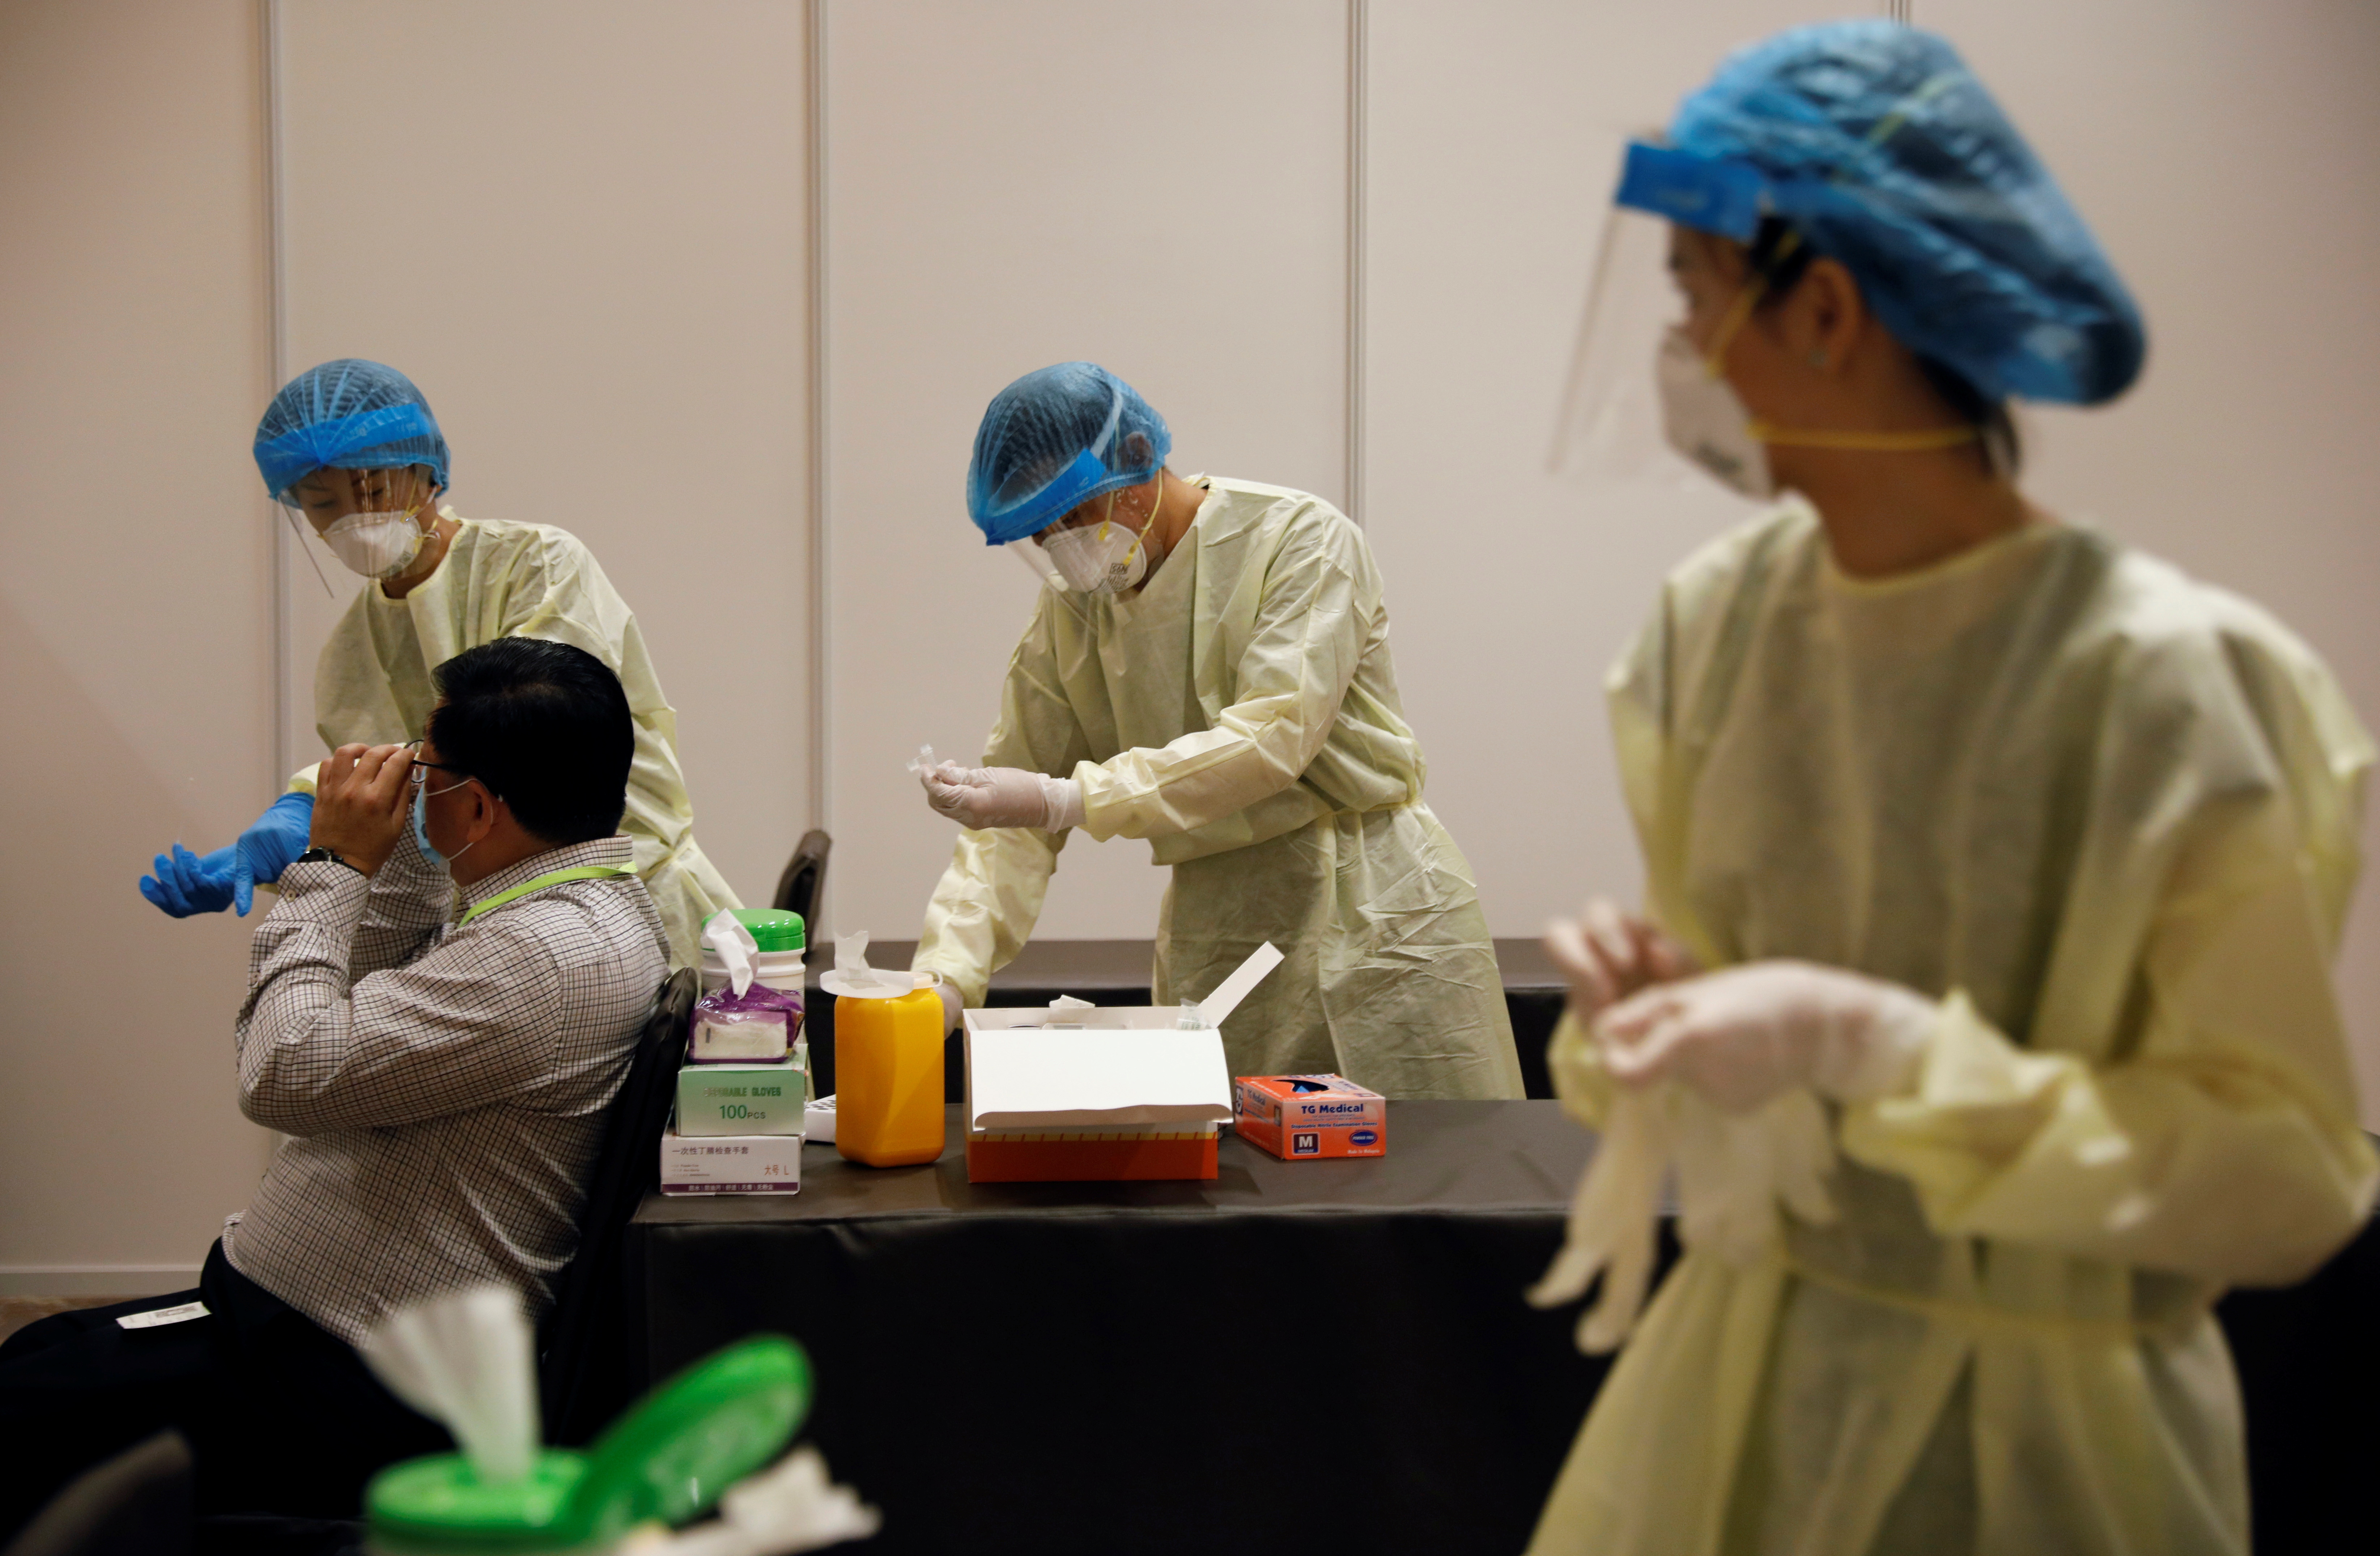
[
  {"x": 1028, "y": 550},
  {"x": 1609, "y": 428},
  {"x": 1115, "y": 565},
  {"x": 322, "y": 496}
]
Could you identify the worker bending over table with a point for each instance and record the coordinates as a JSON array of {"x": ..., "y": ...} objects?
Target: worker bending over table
[
  {"x": 1207, "y": 667},
  {"x": 445, "y": 1086},
  {"x": 352, "y": 445},
  {"x": 1982, "y": 1003}
]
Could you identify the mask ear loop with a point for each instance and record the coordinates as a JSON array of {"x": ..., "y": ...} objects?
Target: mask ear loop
[
  {"x": 1766, "y": 432},
  {"x": 1140, "y": 540},
  {"x": 1746, "y": 298}
]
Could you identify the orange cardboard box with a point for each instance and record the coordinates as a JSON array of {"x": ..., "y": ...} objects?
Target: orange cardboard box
[
  {"x": 1015, "y": 1156},
  {"x": 1310, "y": 1118}
]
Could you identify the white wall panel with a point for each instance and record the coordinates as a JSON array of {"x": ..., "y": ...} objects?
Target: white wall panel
[
  {"x": 1160, "y": 188},
  {"x": 134, "y": 625},
  {"x": 580, "y": 227},
  {"x": 1495, "y": 142}
]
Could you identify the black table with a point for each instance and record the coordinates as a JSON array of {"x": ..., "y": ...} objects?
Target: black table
[
  {"x": 1294, "y": 1356},
  {"x": 1306, "y": 1357},
  {"x": 1115, "y": 972}
]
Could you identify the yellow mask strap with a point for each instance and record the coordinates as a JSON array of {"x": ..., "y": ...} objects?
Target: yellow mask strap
[
  {"x": 1746, "y": 298},
  {"x": 1140, "y": 537},
  {"x": 1866, "y": 443}
]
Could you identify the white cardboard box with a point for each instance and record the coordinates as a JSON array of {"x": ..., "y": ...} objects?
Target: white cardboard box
[
  {"x": 1106, "y": 1068},
  {"x": 730, "y": 1163}
]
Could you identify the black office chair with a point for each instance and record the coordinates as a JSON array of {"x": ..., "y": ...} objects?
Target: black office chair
[
  {"x": 137, "y": 1504},
  {"x": 586, "y": 1376},
  {"x": 803, "y": 885}
]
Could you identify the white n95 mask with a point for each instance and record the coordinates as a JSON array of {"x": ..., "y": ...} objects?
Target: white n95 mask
[
  {"x": 1703, "y": 418},
  {"x": 377, "y": 545},
  {"x": 1102, "y": 558}
]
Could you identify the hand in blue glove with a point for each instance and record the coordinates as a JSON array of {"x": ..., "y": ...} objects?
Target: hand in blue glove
[
  {"x": 187, "y": 883},
  {"x": 277, "y": 837}
]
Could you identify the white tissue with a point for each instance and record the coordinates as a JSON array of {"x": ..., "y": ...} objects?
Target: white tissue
[
  {"x": 466, "y": 1359},
  {"x": 794, "y": 1506},
  {"x": 726, "y": 934},
  {"x": 854, "y": 978},
  {"x": 1068, "y": 1002}
]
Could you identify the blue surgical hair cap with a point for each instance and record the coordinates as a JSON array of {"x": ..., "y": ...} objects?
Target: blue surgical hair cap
[
  {"x": 347, "y": 415},
  {"x": 1876, "y": 144},
  {"x": 1055, "y": 439}
]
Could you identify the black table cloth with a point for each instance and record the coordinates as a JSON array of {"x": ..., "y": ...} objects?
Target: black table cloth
[
  {"x": 1295, "y": 1357},
  {"x": 1308, "y": 1356}
]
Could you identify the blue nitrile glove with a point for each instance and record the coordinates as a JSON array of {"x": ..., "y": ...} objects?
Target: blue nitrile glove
[
  {"x": 276, "y": 837},
  {"x": 187, "y": 883}
]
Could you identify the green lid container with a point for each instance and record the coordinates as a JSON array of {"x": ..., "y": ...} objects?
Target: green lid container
[
  {"x": 773, "y": 927},
  {"x": 440, "y": 1505},
  {"x": 667, "y": 1460}
]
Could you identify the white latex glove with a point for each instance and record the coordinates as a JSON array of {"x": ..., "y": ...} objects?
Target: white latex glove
[
  {"x": 1605, "y": 956},
  {"x": 978, "y": 797},
  {"x": 954, "y": 1007},
  {"x": 1745, "y": 1035}
]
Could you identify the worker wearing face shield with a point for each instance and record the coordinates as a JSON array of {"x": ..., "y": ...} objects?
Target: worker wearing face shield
[
  {"x": 1207, "y": 668},
  {"x": 352, "y": 448},
  {"x": 1980, "y": 1004}
]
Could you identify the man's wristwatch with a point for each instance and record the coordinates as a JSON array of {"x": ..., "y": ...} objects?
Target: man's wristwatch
[{"x": 332, "y": 855}]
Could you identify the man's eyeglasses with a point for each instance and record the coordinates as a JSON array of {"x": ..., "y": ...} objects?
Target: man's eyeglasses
[{"x": 420, "y": 772}]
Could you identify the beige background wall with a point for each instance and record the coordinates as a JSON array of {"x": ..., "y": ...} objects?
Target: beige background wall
[
  {"x": 135, "y": 622},
  {"x": 586, "y": 248},
  {"x": 591, "y": 245}
]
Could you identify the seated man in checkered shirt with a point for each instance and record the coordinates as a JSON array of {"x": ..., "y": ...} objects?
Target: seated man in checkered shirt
[{"x": 440, "y": 1008}]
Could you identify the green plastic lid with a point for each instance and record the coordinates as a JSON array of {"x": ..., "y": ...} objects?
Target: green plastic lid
[
  {"x": 775, "y": 929},
  {"x": 695, "y": 1436},
  {"x": 440, "y": 1505},
  {"x": 669, "y": 1459}
]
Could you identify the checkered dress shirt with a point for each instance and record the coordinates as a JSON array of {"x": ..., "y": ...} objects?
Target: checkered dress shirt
[{"x": 446, "y": 1088}]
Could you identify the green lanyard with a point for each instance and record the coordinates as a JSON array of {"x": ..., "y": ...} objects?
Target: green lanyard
[{"x": 552, "y": 878}]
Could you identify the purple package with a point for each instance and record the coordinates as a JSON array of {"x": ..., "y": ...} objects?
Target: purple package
[{"x": 759, "y": 1025}]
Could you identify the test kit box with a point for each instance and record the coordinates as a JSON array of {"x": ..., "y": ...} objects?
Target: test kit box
[
  {"x": 721, "y": 1099},
  {"x": 1300, "y": 1118},
  {"x": 1076, "y": 1093},
  {"x": 731, "y": 1164}
]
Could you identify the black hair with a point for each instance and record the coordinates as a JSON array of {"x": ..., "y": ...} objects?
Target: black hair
[
  {"x": 1780, "y": 266},
  {"x": 543, "y": 726}
]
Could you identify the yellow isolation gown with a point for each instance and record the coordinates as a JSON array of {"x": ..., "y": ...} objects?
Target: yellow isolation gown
[
  {"x": 2106, "y": 815},
  {"x": 1241, "y": 713},
  {"x": 522, "y": 580}
]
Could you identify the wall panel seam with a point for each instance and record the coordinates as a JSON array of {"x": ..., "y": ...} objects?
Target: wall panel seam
[
  {"x": 821, "y": 722},
  {"x": 284, "y": 578},
  {"x": 1358, "y": 28}
]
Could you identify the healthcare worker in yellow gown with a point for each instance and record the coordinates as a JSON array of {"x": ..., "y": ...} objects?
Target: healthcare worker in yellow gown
[
  {"x": 352, "y": 445},
  {"x": 2009, "y": 859},
  {"x": 1207, "y": 668}
]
